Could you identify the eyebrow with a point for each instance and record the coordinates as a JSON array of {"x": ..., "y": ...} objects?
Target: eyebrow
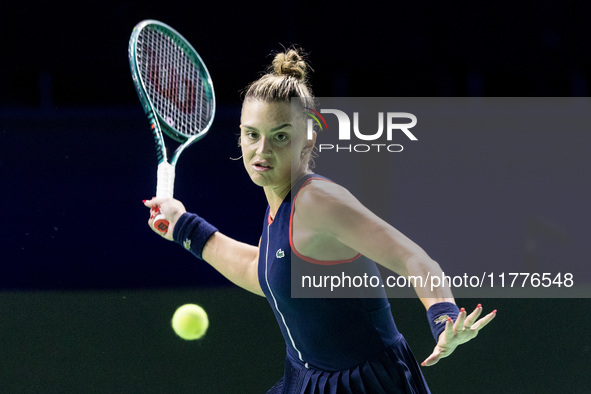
[{"x": 272, "y": 130}]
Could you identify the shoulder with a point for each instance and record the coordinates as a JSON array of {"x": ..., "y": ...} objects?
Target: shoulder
[
  {"x": 321, "y": 202},
  {"x": 321, "y": 193}
]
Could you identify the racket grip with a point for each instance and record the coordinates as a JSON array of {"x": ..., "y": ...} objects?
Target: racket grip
[
  {"x": 164, "y": 188},
  {"x": 160, "y": 223}
]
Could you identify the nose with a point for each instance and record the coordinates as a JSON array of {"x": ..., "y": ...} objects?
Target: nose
[{"x": 264, "y": 146}]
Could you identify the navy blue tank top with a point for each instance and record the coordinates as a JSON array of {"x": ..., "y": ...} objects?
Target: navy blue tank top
[{"x": 330, "y": 334}]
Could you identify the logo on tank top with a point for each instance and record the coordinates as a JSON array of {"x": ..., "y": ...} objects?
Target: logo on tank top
[{"x": 280, "y": 254}]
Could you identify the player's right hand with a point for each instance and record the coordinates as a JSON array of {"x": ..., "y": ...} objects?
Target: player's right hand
[{"x": 168, "y": 208}]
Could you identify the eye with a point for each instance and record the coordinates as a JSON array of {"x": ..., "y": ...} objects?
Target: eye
[
  {"x": 282, "y": 137},
  {"x": 251, "y": 135}
]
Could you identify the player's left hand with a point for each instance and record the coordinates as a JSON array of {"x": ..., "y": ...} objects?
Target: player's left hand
[{"x": 465, "y": 328}]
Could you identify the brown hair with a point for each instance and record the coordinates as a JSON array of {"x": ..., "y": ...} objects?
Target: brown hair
[{"x": 285, "y": 79}]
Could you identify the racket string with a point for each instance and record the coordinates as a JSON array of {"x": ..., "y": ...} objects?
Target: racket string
[{"x": 173, "y": 82}]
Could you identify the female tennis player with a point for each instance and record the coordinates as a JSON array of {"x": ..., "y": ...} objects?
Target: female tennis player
[{"x": 333, "y": 345}]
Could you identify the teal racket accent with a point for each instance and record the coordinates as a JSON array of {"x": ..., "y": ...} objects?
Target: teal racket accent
[
  {"x": 173, "y": 84},
  {"x": 175, "y": 89}
]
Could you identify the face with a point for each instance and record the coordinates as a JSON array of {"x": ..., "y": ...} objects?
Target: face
[{"x": 267, "y": 138}]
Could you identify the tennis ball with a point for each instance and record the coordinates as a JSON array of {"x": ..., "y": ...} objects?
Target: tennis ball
[{"x": 190, "y": 322}]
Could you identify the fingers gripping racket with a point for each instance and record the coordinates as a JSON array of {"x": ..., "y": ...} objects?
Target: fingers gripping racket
[{"x": 176, "y": 92}]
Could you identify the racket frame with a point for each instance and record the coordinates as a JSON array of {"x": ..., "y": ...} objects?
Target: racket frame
[{"x": 166, "y": 169}]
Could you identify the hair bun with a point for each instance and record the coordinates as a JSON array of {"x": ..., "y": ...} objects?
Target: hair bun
[{"x": 290, "y": 64}]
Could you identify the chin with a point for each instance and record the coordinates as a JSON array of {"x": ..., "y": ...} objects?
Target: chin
[{"x": 258, "y": 180}]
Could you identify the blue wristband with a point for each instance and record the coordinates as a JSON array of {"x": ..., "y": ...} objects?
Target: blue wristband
[
  {"x": 438, "y": 315},
  {"x": 192, "y": 232}
]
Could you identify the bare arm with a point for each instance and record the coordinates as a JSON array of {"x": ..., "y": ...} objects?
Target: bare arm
[
  {"x": 330, "y": 209},
  {"x": 235, "y": 260}
]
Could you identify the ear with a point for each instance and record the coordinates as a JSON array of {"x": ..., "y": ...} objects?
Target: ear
[{"x": 309, "y": 145}]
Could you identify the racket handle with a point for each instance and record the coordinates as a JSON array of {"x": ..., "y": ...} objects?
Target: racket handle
[
  {"x": 160, "y": 224},
  {"x": 164, "y": 188}
]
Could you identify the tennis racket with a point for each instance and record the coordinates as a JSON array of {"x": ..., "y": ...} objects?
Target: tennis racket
[{"x": 176, "y": 92}]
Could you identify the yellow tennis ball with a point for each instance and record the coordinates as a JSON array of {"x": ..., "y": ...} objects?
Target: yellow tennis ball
[{"x": 190, "y": 322}]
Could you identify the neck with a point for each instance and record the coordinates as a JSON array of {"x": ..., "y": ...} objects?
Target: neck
[{"x": 276, "y": 194}]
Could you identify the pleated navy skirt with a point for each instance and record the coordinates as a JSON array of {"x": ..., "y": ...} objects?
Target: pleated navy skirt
[{"x": 394, "y": 371}]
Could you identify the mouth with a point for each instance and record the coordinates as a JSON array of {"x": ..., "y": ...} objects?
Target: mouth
[{"x": 261, "y": 166}]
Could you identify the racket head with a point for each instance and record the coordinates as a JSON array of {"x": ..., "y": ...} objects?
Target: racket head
[{"x": 172, "y": 82}]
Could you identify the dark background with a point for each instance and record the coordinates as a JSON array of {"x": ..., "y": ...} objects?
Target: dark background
[{"x": 87, "y": 290}]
